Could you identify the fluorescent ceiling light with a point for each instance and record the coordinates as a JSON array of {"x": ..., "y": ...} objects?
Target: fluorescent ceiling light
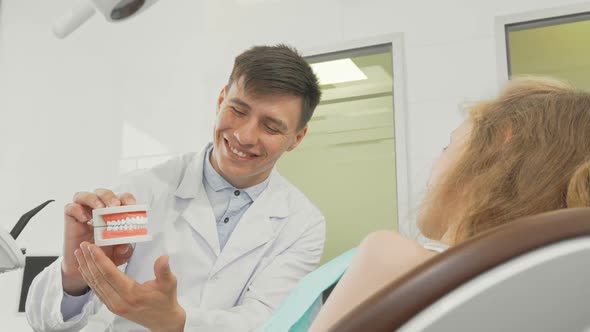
[{"x": 337, "y": 71}]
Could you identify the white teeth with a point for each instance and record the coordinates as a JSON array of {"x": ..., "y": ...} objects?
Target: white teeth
[
  {"x": 239, "y": 153},
  {"x": 127, "y": 224}
]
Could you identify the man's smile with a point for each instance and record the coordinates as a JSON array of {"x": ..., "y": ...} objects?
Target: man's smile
[{"x": 236, "y": 152}]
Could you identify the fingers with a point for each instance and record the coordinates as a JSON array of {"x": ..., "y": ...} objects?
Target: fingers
[
  {"x": 77, "y": 212},
  {"x": 105, "y": 271},
  {"x": 89, "y": 278},
  {"x": 107, "y": 197},
  {"x": 122, "y": 253},
  {"x": 162, "y": 268},
  {"x": 83, "y": 268},
  {"x": 102, "y": 197},
  {"x": 102, "y": 276},
  {"x": 164, "y": 276},
  {"x": 88, "y": 199},
  {"x": 127, "y": 199}
]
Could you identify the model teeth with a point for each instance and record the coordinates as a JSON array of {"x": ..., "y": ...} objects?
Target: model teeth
[{"x": 127, "y": 224}]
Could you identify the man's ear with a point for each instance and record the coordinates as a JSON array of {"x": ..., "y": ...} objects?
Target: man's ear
[
  {"x": 298, "y": 138},
  {"x": 221, "y": 98}
]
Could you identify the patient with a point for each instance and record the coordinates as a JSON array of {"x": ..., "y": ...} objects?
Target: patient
[{"x": 523, "y": 153}]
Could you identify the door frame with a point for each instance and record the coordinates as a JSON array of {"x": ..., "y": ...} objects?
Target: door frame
[{"x": 402, "y": 162}]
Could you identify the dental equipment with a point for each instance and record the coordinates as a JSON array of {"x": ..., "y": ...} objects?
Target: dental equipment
[
  {"x": 11, "y": 256},
  {"x": 112, "y": 10}
]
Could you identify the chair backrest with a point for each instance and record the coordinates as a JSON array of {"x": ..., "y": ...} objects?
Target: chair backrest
[{"x": 530, "y": 274}]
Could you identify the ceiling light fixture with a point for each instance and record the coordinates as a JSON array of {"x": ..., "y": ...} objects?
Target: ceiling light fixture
[{"x": 338, "y": 71}]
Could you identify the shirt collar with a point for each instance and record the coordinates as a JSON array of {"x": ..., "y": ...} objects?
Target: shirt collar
[
  {"x": 257, "y": 189},
  {"x": 218, "y": 183},
  {"x": 214, "y": 179}
]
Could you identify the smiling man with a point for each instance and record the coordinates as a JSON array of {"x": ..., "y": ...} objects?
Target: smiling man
[{"x": 231, "y": 237}]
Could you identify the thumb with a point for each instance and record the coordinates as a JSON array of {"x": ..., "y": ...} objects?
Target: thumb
[
  {"x": 121, "y": 253},
  {"x": 164, "y": 275}
]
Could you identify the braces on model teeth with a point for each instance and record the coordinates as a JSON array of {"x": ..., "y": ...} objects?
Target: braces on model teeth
[{"x": 120, "y": 224}]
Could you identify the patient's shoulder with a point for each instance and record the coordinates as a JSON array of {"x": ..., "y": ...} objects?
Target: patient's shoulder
[
  {"x": 388, "y": 240},
  {"x": 381, "y": 258},
  {"x": 385, "y": 248}
]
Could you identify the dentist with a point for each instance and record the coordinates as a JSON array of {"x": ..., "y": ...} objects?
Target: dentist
[{"x": 231, "y": 237}]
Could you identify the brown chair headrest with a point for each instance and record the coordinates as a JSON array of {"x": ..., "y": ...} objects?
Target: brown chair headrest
[{"x": 402, "y": 299}]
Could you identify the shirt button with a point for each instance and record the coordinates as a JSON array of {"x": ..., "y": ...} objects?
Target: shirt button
[
  {"x": 226, "y": 220},
  {"x": 237, "y": 193}
]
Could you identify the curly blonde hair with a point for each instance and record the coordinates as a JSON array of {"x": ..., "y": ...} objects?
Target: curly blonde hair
[{"x": 528, "y": 153}]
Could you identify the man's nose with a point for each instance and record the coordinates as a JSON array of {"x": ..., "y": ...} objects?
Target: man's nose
[{"x": 246, "y": 134}]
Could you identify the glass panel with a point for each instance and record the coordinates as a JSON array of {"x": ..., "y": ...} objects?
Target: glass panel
[
  {"x": 346, "y": 163},
  {"x": 556, "y": 47}
]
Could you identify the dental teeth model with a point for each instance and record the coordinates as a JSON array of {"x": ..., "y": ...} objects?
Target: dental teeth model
[{"x": 120, "y": 224}]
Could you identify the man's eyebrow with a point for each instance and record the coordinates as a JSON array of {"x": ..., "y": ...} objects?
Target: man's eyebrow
[
  {"x": 240, "y": 102},
  {"x": 276, "y": 121},
  {"x": 282, "y": 125}
]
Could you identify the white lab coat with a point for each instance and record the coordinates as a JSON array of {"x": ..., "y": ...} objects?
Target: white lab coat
[{"x": 279, "y": 239}]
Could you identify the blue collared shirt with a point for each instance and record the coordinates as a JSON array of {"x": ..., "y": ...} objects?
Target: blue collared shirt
[{"x": 229, "y": 203}]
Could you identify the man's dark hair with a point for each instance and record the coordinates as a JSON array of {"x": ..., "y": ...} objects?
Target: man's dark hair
[{"x": 278, "y": 69}]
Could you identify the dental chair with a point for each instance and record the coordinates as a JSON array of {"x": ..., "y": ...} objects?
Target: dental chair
[{"x": 529, "y": 275}]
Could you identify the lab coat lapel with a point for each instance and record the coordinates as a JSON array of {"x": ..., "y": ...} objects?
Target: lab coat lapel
[
  {"x": 198, "y": 212},
  {"x": 255, "y": 228}
]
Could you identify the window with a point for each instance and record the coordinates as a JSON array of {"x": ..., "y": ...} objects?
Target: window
[
  {"x": 551, "y": 42},
  {"x": 347, "y": 163}
]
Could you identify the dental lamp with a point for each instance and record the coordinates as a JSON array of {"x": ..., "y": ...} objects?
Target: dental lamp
[
  {"x": 112, "y": 10},
  {"x": 11, "y": 256}
]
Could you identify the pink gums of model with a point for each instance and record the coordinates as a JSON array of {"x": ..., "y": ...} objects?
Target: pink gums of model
[{"x": 120, "y": 224}]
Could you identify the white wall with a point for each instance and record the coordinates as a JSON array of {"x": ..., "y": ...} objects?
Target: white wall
[{"x": 63, "y": 102}]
